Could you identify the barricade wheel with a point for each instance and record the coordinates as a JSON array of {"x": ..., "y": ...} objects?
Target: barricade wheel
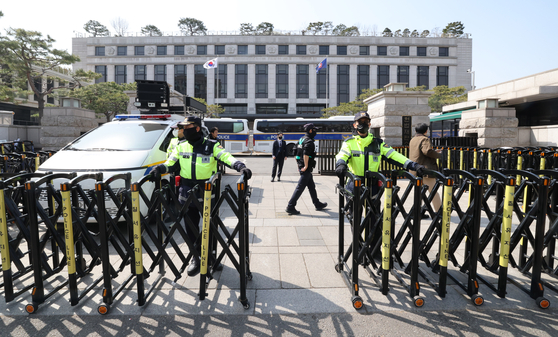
[
  {"x": 249, "y": 277},
  {"x": 338, "y": 267},
  {"x": 246, "y": 305},
  {"x": 31, "y": 308},
  {"x": 543, "y": 303},
  {"x": 477, "y": 299},
  {"x": 357, "y": 302},
  {"x": 418, "y": 301},
  {"x": 103, "y": 309}
]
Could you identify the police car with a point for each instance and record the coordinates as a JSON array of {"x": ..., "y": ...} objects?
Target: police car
[{"x": 129, "y": 143}]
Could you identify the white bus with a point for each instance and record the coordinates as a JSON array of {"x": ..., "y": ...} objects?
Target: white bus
[
  {"x": 233, "y": 132},
  {"x": 265, "y": 131}
]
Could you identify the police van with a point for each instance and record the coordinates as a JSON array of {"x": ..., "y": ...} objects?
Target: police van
[{"x": 132, "y": 143}]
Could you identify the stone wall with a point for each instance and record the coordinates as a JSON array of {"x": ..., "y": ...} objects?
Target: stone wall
[
  {"x": 494, "y": 127},
  {"x": 59, "y": 126}
]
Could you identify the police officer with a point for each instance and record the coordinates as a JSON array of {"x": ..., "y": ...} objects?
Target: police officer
[
  {"x": 179, "y": 138},
  {"x": 363, "y": 152},
  {"x": 306, "y": 160},
  {"x": 196, "y": 159}
]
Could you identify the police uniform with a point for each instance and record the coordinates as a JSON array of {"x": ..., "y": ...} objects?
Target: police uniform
[{"x": 306, "y": 147}]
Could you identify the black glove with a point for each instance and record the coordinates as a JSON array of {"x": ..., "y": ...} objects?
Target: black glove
[
  {"x": 159, "y": 169},
  {"x": 247, "y": 172},
  {"x": 417, "y": 167},
  {"x": 340, "y": 170}
]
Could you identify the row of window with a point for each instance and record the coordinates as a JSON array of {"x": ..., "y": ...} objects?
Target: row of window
[
  {"x": 281, "y": 79},
  {"x": 261, "y": 50}
]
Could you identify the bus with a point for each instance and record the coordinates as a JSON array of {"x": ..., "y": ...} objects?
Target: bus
[
  {"x": 265, "y": 131},
  {"x": 233, "y": 133}
]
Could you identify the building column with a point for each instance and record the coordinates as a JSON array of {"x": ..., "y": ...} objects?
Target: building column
[
  {"x": 230, "y": 81},
  {"x": 211, "y": 86},
  {"x": 271, "y": 81},
  {"x": 251, "y": 87},
  {"x": 190, "y": 80},
  {"x": 130, "y": 75},
  {"x": 312, "y": 82},
  {"x": 452, "y": 76},
  {"x": 392, "y": 74},
  {"x": 170, "y": 75},
  {"x": 412, "y": 76},
  {"x": 431, "y": 77},
  {"x": 373, "y": 76},
  {"x": 292, "y": 89},
  {"x": 353, "y": 79},
  {"x": 110, "y": 73},
  {"x": 332, "y": 85},
  {"x": 150, "y": 72}
]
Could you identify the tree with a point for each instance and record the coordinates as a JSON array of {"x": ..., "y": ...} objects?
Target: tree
[
  {"x": 151, "y": 30},
  {"x": 106, "y": 98},
  {"x": 191, "y": 26},
  {"x": 387, "y": 33},
  {"x": 29, "y": 55},
  {"x": 425, "y": 33},
  {"x": 397, "y": 33},
  {"x": 338, "y": 30},
  {"x": 96, "y": 28},
  {"x": 435, "y": 32},
  {"x": 415, "y": 33},
  {"x": 351, "y": 108},
  {"x": 406, "y": 32},
  {"x": 319, "y": 27},
  {"x": 342, "y": 30},
  {"x": 264, "y": 28},
  {"x": 213, "y": 110},
  {"x": 445, "y": 96},
  {"x": 120, "y": 26},
  {"x": 419, "y": 88},
  {"x": 247, "y": 29},
  {"x": 453, "y": 29},
  {"x": 13, "y": 88}
]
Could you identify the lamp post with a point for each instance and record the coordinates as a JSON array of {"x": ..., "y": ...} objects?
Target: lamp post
[{"x": 472, "y": 73}]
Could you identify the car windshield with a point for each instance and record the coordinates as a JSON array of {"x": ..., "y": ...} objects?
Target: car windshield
[{"x": 120, "y": 136}]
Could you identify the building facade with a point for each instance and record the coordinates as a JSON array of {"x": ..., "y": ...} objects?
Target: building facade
[{"x": 276, "y": 75}]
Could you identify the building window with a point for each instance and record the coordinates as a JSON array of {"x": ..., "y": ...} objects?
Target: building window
[
  {"x": 180, "y": 78},
  {"x": 202, "y": 50},
  {"x": 403, "y": 51},
  {"x": 241, "y": 81},
  {"x": 161, "y": 50},
  {"x": 271, "y": 109},
  {"x": 324, "y": 50},
  {"x": 302, "y": 80},
  {"x": 383, "y": 76},
  {"x": 103, "y": 71},
  {"x": 403, "y": 74},
  {"x": 422, "y": 76},
  {"x": 442, "y": 76},
  {"x": 99, "y": 51},
  {"x": 242, "y": 50},
  {"x": 178, "y": 50},
  {"x": 364, "y": 50},
  {"x": 421, "y": 51},
  {"x": 122, "y": 51},
  {"x": 220, "y": 50},
  {"x": 221, "y": 81},
  {"x": 300, "y": 50},
  {"x": 443, "y": 51},
  {"x": 235, "y": 109},
  {"x": 260, "y": 50},
  {"x": 310, "y": 109},
  {"x": 160, "y": 73},
  {"x": 261, "y": 80},
  {"x": 120, "y": 74},
  {"x": 139, "y": 72},
  {"x": 282, "y": 81},
  {"x": 200, "y": 81},
  {"x": 341, "y": 50},
  {"x": 283, "y": 50},
  {"x": 363, "y": 79},
  {"x": 342, "y": 84},
  {"x": 382, "y": 50},
  {"x": 139, "y": 50},
  {"x": 321, "y": 83}
]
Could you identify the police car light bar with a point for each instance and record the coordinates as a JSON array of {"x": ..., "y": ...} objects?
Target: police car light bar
[{"x": 124, "y": 117}]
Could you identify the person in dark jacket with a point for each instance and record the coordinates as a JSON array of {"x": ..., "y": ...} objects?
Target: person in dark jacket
[
  {"x": 279, "y": 156},
  {"x": 421, "y": 152},
  {"x": 306, "y": 161}
]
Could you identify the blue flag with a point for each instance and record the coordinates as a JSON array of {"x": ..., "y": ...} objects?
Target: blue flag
[{"x": 321, "y": 65}]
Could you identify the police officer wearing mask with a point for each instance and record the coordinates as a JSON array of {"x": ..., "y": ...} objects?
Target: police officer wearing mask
[
  {"x": 306, "y": 160},
  {"x": 196, "y": 159},
  {"x": 179, "y": 133},
  {"x": 363, "y": 152}
]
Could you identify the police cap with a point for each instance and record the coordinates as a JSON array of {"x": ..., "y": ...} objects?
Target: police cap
[
  {"x": 191, "y": 120},
  {"x": 309, "y": 126},
  {"x": 360, "y": 115}
]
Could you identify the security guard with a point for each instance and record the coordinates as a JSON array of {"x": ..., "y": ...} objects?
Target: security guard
[
  {"x": 179, "y": 138},
  {"x": 306, "y": 160},
  {"x": 363, "y": 152},
  {"x": 196, "y": 159}
]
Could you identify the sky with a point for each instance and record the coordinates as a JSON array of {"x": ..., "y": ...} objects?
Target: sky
[{"x": 511, "y": 39}]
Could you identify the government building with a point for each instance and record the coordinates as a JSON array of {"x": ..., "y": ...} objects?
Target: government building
[{"x": 276, "y": 75}]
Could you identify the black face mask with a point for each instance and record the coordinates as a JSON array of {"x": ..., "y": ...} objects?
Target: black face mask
[
  {"x": 280, "y": 137},
  {"x": 362, "y": 127},
  {"x": 311, "y": 135},
  {"x": 191, "y": 135}
]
